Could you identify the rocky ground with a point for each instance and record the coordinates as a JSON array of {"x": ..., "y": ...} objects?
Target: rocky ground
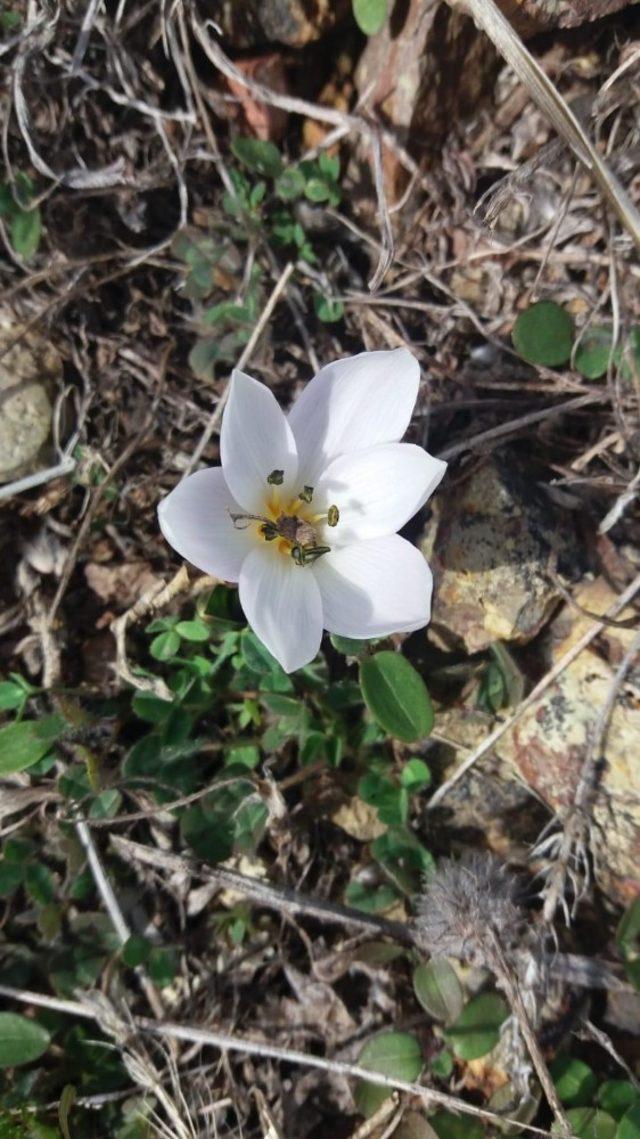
[{"x": 183, "y": 185}]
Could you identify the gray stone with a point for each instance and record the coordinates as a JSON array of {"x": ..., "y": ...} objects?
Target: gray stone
[
  {"x": 490, "y": 556},
  {"x": 28, "y": 373}
]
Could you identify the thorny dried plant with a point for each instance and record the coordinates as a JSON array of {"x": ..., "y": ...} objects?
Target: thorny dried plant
[{"x": 471, "y": 909}]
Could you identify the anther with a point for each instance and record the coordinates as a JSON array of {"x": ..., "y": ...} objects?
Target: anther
[
  {"x": 276, "y": 478},
  {"x": 333, "y": 516},
  {"x": 306, "y": 494}
]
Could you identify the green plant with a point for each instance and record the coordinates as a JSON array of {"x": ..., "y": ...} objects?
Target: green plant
[{"x": 23, "y": 219}]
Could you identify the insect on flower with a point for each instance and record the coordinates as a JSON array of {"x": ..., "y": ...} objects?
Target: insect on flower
[{"x": 305, "y": 509}]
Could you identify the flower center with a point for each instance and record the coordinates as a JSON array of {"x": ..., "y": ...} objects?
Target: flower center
[{"x": 294, "y": 525}]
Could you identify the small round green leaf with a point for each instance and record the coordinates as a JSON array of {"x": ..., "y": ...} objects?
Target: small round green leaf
[
  {"x": 543, "y": 334},
  {"x": 574, "y": 1081},
  {"x": 370, "y": 15},
  {"x": 594, "y": 352},
  {"x": 165, "y": 645},
  {"x": 438, "y": 989},
  {"x": 21, "y": 1040},
  {"x": 477, "y": 1029},
  {"x": 617, "y": 1096},
  {"x": 396, "y": 696},
  {"x": 290, "y": 184}
]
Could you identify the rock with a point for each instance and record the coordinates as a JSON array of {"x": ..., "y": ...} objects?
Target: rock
[
  {"x": 28, "y": 373},
  {"x": 255, "y": 23},
  {"x": 490, "y": 556},
  {"x": 426, "y": 69},
  {"x": 548, "y": 745}
]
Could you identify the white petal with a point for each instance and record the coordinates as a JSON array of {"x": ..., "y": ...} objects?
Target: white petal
[
  {"x": 374, "y": 588},
  {"x": 351, "y": 404},
  {"x": 376, "y": 490},
  {"x": 282, "y": 604},
  {"x": 195, "y": 520},
  {"x": 255, "y": 440}
]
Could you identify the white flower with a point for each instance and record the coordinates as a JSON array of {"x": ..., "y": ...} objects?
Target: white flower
[{"x": 304, "y": 510}]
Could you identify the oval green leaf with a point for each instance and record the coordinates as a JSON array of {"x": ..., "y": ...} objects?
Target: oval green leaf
[
  {"x": 26, "y": 231},
  {"x": 394, "y": 1054},
  {"x": 575, "y": 1082},
  {"x": 27, "y": 742},
  {"x": 259, "y": 155},
  {"x": 438, "y": 989},
  {"x": 21, "y": 1040},
  {"x": 594, "y": 352},
  {"x": 543, "y": 334},
  {"x": 396, "y": 696},
  {"x": 477, "y": 1029},
  {"x": 370, "y": 15}
]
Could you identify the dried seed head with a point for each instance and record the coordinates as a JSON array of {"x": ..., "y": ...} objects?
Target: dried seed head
[{"x": 467, "y": 906}]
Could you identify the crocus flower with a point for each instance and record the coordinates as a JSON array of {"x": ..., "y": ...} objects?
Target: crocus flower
[{"x": 305, "y": 509}]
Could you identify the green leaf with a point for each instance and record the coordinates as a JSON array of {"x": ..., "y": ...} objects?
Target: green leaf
[
  {"x": 245, "y": 755},
  {"x": 415, "y": 775},
  {"x": 594, "y": 352},
  {"x": 317, "y": 190},
  {"x": 370, "y": 899},
  {"x": 629, "y": 1126},
  {"x": 348, "y": 645},
  {"x": 28, "y": 741},
  {"x": 438, "y": 989},
  {"x": 492, "y": 693},
  {"x": 590, "y": 1123},
  {"x": 106, "y": 804},
  {"x": 617, "y": 1096},
  {"x": 203, "y": 357},
  {"x": 442, "y": 1065},
  {"x": 162, "y": 966},
  {"x": 150, "y": 708},
  {"x": 390, "y": 801},
  {"x": 327, "y": 310},
  {"x": 477, "y": 1029},
  {"x": 290, "y": 184},
  {"x": 370, "y": 15},
  {"x": 449, "y": 1126},
  {"x": 25, "y": 232},
  {"x": 165, "y": 645},
  {"x": 136, "y": 950},
  {"x": 394, "y": 1054},
  {"x": 258, "y": 155},
  {"x": 396, "y": 696},
  {"x": 11, "y": 875},
  {"x": 193, "y": 630},
  {"x": 256, "y": 655},
  {"x": 543, "y": 334},
  {"x": 39, "y": 883},
  {"x": 574, "y": 1081},
  {"x": 12, "y": 695},
  {"x": 21, "y": 1040}
]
